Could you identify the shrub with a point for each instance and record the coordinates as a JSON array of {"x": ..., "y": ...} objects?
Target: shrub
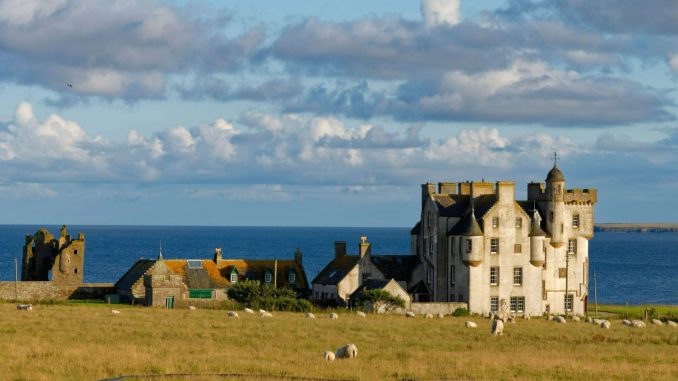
[
  {"x": 461, "y": 312},
  {"x": 378, "y": 298},
  {"x": 258, "y": 296}
]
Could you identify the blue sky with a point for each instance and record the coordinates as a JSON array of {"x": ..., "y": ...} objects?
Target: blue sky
[{"x": 263, "y": 112}]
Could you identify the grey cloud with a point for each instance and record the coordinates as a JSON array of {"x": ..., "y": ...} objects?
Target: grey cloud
[{"x": 280, "y": 89}]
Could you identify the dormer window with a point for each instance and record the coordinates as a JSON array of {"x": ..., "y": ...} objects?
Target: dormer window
[
  {"x": 268, "y": 277},
  {"x": 292, "y": 278},
  {"x": 234, "y": 276}
]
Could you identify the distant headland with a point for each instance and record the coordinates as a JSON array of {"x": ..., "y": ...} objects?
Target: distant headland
[{"x": 636, "y": 228}]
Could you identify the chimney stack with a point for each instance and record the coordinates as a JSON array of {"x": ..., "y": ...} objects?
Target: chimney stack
[
  {"x": 339, "y": 249},
  {"x": 364, "y": 247},
  {"x": 217, "y": 255}
]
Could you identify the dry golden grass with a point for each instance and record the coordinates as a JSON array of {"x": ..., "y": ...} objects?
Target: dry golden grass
[{"x": 81, "y": 342}]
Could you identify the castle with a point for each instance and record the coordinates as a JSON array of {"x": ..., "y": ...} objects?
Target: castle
[
  {"x": 63, "y": 257},
  {"x": 477, "y": 244}
]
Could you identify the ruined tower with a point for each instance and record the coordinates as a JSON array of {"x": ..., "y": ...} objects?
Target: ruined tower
[{"x": 61, "y": 258}]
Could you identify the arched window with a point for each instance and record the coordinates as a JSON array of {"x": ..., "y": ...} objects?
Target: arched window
[
  {"x": 292, "y": 277},
  {"x": 268, "y": 277}
]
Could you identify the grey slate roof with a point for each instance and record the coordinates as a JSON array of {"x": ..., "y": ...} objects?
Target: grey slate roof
[
  {"x": 398, "y": 267},
  {"x": 457, "y": 205},
  {"x": 135, "y": 273},
  {"x": 555, "y": 174},
  {"x": 336, "y": 270},
  {"x": 467, "y": 227}
]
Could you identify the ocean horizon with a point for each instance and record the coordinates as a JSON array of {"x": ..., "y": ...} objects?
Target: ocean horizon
[{"x": 630, "y": 267}]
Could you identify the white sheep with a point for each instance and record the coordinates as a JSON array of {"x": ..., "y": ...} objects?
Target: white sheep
[
  {"x": 657, "y": 322},
  {"x": 497, "y": 327},
  {"x": 191, "y": 308},
  {"x": 638, "y": 323},
  {"x": 360, "y": 313},
  {"x": 441, "y": 315},
  {"x": 115, "y": 312},
  {"x": 526, "y": 316},
  {"x": 262, "y": 311},
  {"x": 24, "y": 307},
  {"x": 333, "y": 315},
  {"x": 409, "y": 314},
  {"x": 348, "y": 351},
  {"x": 470, "y": 324},
  {"x": 428, "y": 316},
  {"x": 329, "y": 356},
  {"x": 576, "y": 318},
  {"x": 597, "y": 321},
  {"x": 671, "y": 323},
  {"x": 265, "y": 314},
  {"x": 605, "y": 324},
  {"x": 310, "y": 316},
  {"x": 233, "y": 314},
  {"x": 627, "y": 322},
  {"x": 560, "y": 319},
  {"x": 549, "y": 317},
  {"x": 249, "y": 310}
]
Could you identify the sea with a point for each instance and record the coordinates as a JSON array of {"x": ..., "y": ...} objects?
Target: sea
[{"x": 633, "y": 268}]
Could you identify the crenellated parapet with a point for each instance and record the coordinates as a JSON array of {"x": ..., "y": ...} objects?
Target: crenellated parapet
[{"x": 581, "y": 196}]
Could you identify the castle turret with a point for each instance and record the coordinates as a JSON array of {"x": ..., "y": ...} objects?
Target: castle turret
[
  {"x": 555, "y": 206},
  {"x": 472, "y": 237},
  {"x": 537, "y": 255}
]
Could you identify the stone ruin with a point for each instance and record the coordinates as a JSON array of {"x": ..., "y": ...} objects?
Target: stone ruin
[{"x": 63, "y": 258}]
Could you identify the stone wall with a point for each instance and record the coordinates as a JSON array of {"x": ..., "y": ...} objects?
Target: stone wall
[
  {"x": 436, "y": 308},
  {"x": 45, "y": 290}
]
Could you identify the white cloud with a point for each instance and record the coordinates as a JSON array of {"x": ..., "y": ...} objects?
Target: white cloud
[
  {"x": 673, "y": 63},
  {"x": 20, "y": 190},
  {"x": 440, "y": 12}
]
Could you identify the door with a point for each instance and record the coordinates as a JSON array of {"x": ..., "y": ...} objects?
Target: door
[{"x": 169, "y": 302}]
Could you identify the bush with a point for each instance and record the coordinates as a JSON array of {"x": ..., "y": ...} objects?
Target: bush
[
  {"x": 378, "y": 298},
  {"x": 258, "y": 296},
  {"x": 461, "y": 312}
]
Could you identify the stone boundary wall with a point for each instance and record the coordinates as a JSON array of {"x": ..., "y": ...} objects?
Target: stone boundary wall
[
  {"x": 29, "y": 291},
  {"x": 436, "y": 308}
]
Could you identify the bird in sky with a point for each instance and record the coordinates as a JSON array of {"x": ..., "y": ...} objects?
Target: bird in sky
[{"x": 69, "y": 84}]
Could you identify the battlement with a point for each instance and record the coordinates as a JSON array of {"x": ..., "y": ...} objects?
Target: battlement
[{"x": 577, "y": 195}]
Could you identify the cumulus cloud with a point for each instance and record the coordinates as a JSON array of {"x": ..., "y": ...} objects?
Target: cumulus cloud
[{"x": 440, "y": 12}]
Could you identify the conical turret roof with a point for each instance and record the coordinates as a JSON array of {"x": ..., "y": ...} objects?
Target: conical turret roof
[
  {"x": 535, "y": 229},
  {"x": 469, "y": 226},
  {"x": 555, "y": 174}
]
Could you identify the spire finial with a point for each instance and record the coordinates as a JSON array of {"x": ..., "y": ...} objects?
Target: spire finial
[
  {"x": 555, "y": 159},
  {"x": 160, "y": 252}
]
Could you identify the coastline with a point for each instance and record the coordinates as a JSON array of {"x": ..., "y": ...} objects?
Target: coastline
[{"x": 636, "y": 228}]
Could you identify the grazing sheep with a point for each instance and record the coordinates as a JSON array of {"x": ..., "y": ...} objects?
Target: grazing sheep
[
  {"x": 24, "y": 307},
  {"x": 263, "y": 313},
  {"x": 589, "y": 320},
  {"x": 115, "y": 312},
  {"x": 597, "y": 321},
  {"x": 409, "y": 314},
  {"x": 657, "y": 322},
  {"x": 549, "y": 317},
  {"x": 526, "y": 316},
  {"x": 361, "y": 314},
  {"x": 348, "y": 351},
  {"x": 233, "y": 314},
  {"x": 329, "y": 356},
  {"x": 560, "y": 319},
  {"x": 333, "y": 315},
  {"x": 576, "y": 318},
  {"x": 627, "y": 322},
  {"x": 671, "y": 323},
  {"x": 428, "y": 316},
  {"x": 249, "y": 310},
  {"x": 497, "y": 327},
  {"x": 605, "y": 324},
  {"x": 638, "y": 323},
  {"x": 441, "y": 315},
  {"x": 310, "y": 315},
  {"x": 191, "y": 308},
  {"x": 470, "y": 324}
]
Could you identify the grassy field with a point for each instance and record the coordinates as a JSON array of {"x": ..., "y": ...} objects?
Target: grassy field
[
  {"x": 636, "y": 311},
  {"x": 87, "y": 342}
]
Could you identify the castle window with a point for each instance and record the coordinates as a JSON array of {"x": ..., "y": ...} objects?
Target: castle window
[
  {"x": 452, "y": 275},
  {"x": 494, "y": 303},
  {"x": 543, "y": 290},
  {"x": 517, "y": 304},
  {"x": 569, "y": 301},
  {"x": 75, "y": 270},
  {"x": 469, "y": 245},
  {"x": 292, "y": 278},
  {"x": 429, "y": 275},
  {"x": 519, "y": 222},
  {"x": 562, "y": 272},
  {"x": 575, "y": 221},
  {"x": 494, "y": 246},
  {"x": 268, "y": 278},
  {"x": 494, "y": 276},
  {"x": 75, "y": 251},
  {"x": 572, "y": 246},
  {"x": 461, "y": 298},
  {"x": 517, "y": 248},
  {"x": 495, "y": 222},
  {"x": 551, "y": 216},
  {"x": 518, "y": 276}
]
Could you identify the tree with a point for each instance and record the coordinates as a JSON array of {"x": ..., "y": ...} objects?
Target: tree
[{"x": 378, "y": 298}]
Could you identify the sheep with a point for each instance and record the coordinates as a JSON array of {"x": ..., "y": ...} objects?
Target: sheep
[
  {"x": 526, "y": 316},
  {"x": 497, "y": 327},
  {"x": 348, "y": 351},
  {"x": 265, "y": 314},
  {"x": 671, "y": 323},
  {"x": 657, "y": 322},
  {"x": 549, "y": 317},
  {"x": 361, "y": 314},
  {"x": 638, "y": 323},
  {"x": 597, "y": 321},
  {"x": 441, "y": 315},
  {"x": 333, "y": 316},
  {"x": 191, "y": 308},
  {"x": 576, "y": 318},
  {"x": 24, "y": 307},
  {"x": 627, "y": 322},
  {"x": 605, "y": 324},
  {"x": 249, "y": 310},
  {"x": 470, "y": 324},
  {"x": 409, "y": 314},
  {"x": 310, "y": 315},
  {"x": 560, "y": 319},
  {"x": 329, "y": 356},
  {"x": 428, "y": 316},
  {"x": 115, "y": 312},
  {"x": 589, "y": 320},
  {"x": 233, "y": 314}
]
